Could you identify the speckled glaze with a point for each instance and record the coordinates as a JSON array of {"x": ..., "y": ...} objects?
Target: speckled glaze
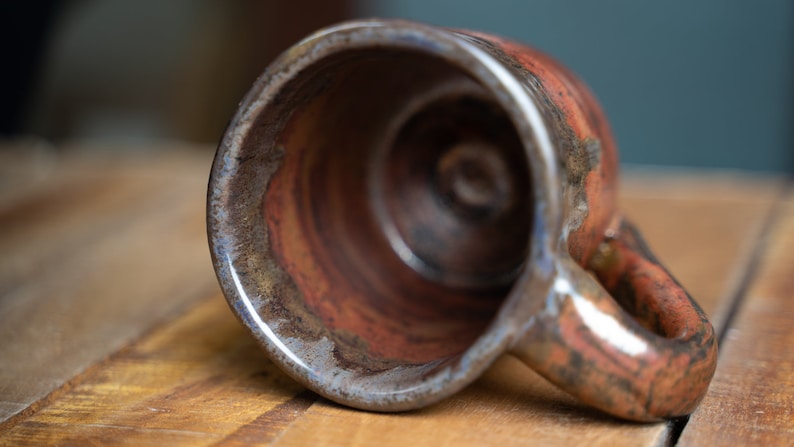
[{"x": 395, "y": 205}]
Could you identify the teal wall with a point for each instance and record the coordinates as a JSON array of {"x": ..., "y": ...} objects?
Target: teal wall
[{"x": 707, "y": 83}]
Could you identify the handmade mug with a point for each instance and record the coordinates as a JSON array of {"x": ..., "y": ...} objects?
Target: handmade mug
[{"x": 395, "y": 205}]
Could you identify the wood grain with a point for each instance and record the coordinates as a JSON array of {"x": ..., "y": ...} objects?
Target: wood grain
[
  {"x": 97, "y": 248},
  {"x": 106, "y": 268},
  {"x": 196, "y": 381},
  {"x": 751, "y": 400}
]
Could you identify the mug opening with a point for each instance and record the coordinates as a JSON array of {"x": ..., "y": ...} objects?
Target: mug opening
[{"x": 402, "y": 209}]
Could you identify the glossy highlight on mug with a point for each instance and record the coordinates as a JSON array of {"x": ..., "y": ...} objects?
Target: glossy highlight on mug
[
  {"x": 251, "y": 311},
  {"x": 602, "y": 323}
]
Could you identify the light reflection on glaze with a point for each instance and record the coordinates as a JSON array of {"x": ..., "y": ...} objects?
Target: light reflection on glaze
[
  {"x": 600, "y": 323},
  {"x": 249, "y": 307}
]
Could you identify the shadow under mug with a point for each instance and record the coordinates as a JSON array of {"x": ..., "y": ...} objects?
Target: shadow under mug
[{"x": 394, "y": 205}]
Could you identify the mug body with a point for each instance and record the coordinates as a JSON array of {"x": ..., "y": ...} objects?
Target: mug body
[{"x": 387, "y": 208}]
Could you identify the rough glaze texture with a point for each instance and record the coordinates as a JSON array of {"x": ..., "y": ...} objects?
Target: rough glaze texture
[{"x": 395, "y": 205}]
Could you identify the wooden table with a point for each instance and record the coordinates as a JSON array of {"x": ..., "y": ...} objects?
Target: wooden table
[{"x": 114, "y": 331}]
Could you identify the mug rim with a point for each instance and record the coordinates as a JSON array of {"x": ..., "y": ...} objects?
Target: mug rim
[{"x": 236, "y": 256}]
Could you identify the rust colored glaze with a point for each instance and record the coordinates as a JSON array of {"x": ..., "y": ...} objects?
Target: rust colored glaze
[
  {"x": 395, "y": 205},
  {"x": 587, "y": 148}
]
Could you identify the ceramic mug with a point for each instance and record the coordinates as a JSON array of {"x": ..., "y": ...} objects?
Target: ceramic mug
[{"x": 395, "y": 205}]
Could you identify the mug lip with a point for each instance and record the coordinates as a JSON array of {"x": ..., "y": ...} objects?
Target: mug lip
[{"x": 227, "y": 236}]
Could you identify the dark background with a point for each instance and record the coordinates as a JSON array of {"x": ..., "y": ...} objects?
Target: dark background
[{"x": 706, "y": 83}]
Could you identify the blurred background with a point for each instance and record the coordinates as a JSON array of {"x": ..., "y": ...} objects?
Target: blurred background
[{"x": 706, "y": 84}]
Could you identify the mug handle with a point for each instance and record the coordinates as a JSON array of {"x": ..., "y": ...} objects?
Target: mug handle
[{"x": 629, "y": 341}]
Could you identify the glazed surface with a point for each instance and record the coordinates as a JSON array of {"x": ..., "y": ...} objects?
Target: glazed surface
[{"x": 395, "y": 205}]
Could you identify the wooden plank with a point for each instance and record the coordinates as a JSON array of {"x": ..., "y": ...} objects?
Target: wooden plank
[
  {"x": 101, "y": 247},
  {"x": 198, "y": 381},
  {"x": 25, "y": 165},
  {"x": 201, "y": 381},
  {"x": 751, "y": 401}
]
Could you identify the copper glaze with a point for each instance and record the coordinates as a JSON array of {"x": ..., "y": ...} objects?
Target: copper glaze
[{"x": 395, "y": 205}]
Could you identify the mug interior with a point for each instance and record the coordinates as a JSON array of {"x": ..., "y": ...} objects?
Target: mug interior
[{"x": 402, "y": 208}]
